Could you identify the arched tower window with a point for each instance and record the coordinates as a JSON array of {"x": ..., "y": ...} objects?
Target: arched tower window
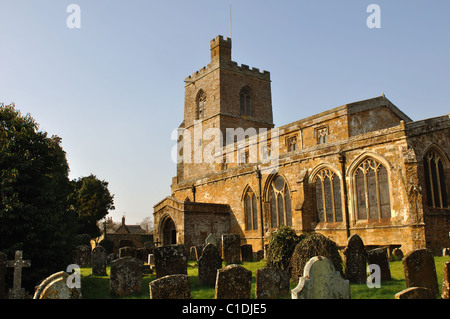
[
  {"x": 280, "y": 203},
  {"x": 251, "y": 211},
  {"x": 246, "y": 101},
  {"x": 372, "y": 190},
  {"x": 327, "y": 187},
  {"x": 436, "y": 189},
  {"x": 201, "y": 105}
]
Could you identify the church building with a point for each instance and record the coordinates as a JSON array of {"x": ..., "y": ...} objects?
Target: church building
[{"x": 361, "y": 168}]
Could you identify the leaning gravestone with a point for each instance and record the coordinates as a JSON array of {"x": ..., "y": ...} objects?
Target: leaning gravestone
[
  {"x": 271, "y": 283},
  {"x": 355, "y": 260},
  {"x": 208, "y": 263},
  {"x": 56, "y": 286},
  {"x": 125, "y": 277},
  {"x": 3, "y": 263},
  {"x": 321, "y": 281},
  {"x": 231, "y": 248},
  {"x": 170, "y": 287},
  {"x": 211, "y": 239},
  {"x": 82, "y": 256},
  {"x": 446, "y": 281},
  {"x": 379, "y": 256},
  {"x": 420, "y": 270},
  {"x": 99, "y": 261},
  {"x": 170, "y": 260},
  {"x": 233, "y": 282},
  {"x": 415, "y": 293}
]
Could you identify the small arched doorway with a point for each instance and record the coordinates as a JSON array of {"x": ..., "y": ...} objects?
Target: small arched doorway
[{"x": 169, "y": 232}]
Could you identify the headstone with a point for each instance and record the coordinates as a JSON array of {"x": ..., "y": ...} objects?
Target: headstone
[
  {"x": 233, "y": 282},
  {"x": 415, "y": 293},
  {"x": 231, "y": 248},
  {"x": 3, "y": 265},
  {"x": 151, "y": 259},
  {"x": 56, "y": 287},
  {"x": 271, "y": 283},
  {"x": 99, "y": 261},
  {"x": 170, "y": 287},
  {"x": 320, "y": 280},
  {"x": 247, "y": 252},
  {"x": 355, "y": 257},
  {"x": 170, "y": 260},
  {"x": 142, "y": 253},
  {"x": 379, "y": 256},
  {"x": 208, "y": 264},
  {"x": 420, "y": 270},
  {"x": 258, "y": 255},
  {"x": 211, "y": 239},
  {"x": 446, "y": 281},
  {"x": 127, "y": 251},
  {"x": 195, "y": 252},
  {"x": 82, "y": 256},
  {"x": 125, "y": 277},
  {"x": 18, "y": 263}
]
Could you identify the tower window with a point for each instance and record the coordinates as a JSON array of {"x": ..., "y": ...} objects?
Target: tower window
[
  {"x": 246, "y": 101},
  {"x": 201, "y": 105}
]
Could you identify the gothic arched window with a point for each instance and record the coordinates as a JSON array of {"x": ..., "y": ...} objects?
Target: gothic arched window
[
  {"x": 372, "y": 190},
  {"x": 245, "y": 101},
  {"x": 433, "y": 166},
  {"x": 201, "y": 105},
  {"x": 251, "y": 211},
  {"x": 327, "y": 186},
  {"x": 280, "y": 203}
]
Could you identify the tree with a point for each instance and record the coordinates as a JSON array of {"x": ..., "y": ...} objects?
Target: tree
[
  {"x": 90, "y": 199},
  {"x": 34, "y": 186}
]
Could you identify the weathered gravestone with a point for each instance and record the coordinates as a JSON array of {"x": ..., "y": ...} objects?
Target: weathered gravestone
[
  {"x": 321, "y": 281},
  {"x": 355, "y": 257},
  {"x": 231, "y": 248},
  {"x": 125, "y": 277},
  {"x": 247, "y": 252},
  {"x": 258, "y": 255},
  {"x": 397, "y": 254},
  {"x": 446, "y": 281},
  {"x": 99, "y": 261},
  {"x": 415, "y": 293},
  {"x": 56, "y": 286},
  {"x": 3, "y": 263},
  {"x": 420, "y": 270},
  {"x": 18, "y": 263},
  {"x": 170, "y": 287},
  {"x": 82, "y": 256},
  {"x": 208, "y": 264},
  {"x": 271, "y": 283},
  {"x": 127, "y": 251},
  {"x": 170, "y": 260},
  {"x": 142, "y": 253},
  {"x": 379, "y": 256},
  {"x": 233, "y": 282},
  {"x": 195, "y": 252}
]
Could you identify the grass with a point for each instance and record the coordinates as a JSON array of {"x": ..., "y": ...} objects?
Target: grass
[{"x": 97, "y": 287}]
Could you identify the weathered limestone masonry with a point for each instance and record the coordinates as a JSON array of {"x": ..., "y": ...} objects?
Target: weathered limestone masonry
[{"x": 362, "y": 168}]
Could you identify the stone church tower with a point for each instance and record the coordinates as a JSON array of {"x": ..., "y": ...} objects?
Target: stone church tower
[{"x": 222, "y": 96}]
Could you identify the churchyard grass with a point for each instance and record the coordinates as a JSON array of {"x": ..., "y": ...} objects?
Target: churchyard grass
[{"x": 97, "y": 287}]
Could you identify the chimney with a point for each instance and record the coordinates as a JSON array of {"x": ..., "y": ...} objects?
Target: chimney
[
  {"x": 221, "y": 49},
  {"x": 123, "y": 220}
]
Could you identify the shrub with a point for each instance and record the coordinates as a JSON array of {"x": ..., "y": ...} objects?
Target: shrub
[
  {"x": 282, "y": 243},
  {"x": 312, "y": 245}
]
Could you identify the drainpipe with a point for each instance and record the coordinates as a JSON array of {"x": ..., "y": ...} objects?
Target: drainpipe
[
  {"x": 347, "y": 219},
  {"x": 193, "y": 193},
  {"x": 259, "y": 176}
]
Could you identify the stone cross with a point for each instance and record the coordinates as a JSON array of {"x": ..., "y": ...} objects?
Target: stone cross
[{"x": 18, "y": 263}]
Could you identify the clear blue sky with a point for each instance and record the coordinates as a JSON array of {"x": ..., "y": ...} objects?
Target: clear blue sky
[{"x": 113, "y": 90}]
